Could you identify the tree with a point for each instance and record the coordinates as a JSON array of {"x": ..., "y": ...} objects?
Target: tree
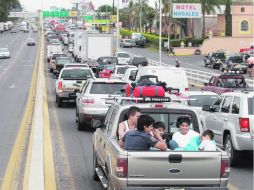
[
  {"x": 208, "y": 7},
  {"x": 228, "y": 18},
  {"x": 6, "y": 6},
  {"x": 106, "y": 8}
]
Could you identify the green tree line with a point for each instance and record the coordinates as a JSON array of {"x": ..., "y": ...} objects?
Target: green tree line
[{"x": 6, "y": 6}]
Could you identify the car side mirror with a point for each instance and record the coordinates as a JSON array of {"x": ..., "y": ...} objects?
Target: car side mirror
[
  {"x": 206, "y": 108},
  {"x": 96, "y": 124}
]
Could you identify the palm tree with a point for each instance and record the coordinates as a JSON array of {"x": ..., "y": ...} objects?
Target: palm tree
[{"x": 208, "y": 6}]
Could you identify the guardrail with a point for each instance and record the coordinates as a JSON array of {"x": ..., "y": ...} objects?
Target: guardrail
[{"x": 197, "y": 77}]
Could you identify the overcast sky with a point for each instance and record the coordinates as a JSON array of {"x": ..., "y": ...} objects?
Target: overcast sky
[{"x": 33, "y": 5}]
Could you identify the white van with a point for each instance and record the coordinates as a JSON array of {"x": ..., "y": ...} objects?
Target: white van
[{"x": 173, "y": 76}]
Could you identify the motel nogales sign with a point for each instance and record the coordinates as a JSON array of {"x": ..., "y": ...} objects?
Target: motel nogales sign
[{"x": 186, "y": 10}]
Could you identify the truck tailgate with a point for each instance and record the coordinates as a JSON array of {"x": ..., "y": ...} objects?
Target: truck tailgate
[
  {"x": 71, "y": 85},
  {"x": 174, "y": 168}
]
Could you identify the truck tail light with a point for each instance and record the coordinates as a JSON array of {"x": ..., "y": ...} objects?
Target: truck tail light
[
  {"x": 87, "y": 100},
  {"x": 121, "y": 167},
  {"x": 60, "y": 85},
  {"x": 244, "y": 124},
  {"x": 225, "y": 168}
]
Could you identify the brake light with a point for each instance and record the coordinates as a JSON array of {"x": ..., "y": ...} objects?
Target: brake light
[
  {"x": 244, "y": 124},
  {"x": 121, "y": 167},
  {"x": 87, "y": 100},
  {"x": 60, "y": 85},
  {"x": 225, "y": 168}
]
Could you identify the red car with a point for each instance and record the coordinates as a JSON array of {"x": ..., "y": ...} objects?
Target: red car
[{"x": 106, "y": 71}]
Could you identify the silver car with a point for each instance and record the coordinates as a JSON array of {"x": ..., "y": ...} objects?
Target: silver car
[
  {"x": 126, "y": 43},
  {"x": 4, "y": 53},
  {"x": 90, "y": 102},
  {"x": 231, "y": 118}
]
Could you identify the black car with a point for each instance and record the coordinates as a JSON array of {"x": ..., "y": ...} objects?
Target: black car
[
  {"x": 60, "y": 62},
  {"x": 215, "y": 59},
  {"x": 30, "y": 42},
  {"x": 138, "y": 60},
  {"x": 235, "y": 63},
  {"x": 107, "y": 60}
]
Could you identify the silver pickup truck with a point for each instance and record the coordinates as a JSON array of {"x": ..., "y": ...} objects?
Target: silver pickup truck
[
  {"x": 69, "y": 82},
  {"x": 120, "y": 169}
]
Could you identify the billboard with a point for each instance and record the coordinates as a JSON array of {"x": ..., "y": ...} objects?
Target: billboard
[{"x": 187, "y": 10}]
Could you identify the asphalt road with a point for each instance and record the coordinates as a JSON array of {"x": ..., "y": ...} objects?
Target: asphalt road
[
  {"x": 73, "y": 149},
  {"x": 15, "y": 79}
]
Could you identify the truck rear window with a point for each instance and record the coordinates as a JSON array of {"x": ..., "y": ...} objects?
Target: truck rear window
[
  {"x": 106, "y": 88},
  {"x": 233, "y": 82},
  {"x": 251, "y": 105},
  {"x": 76, "y": 74},
  {"x": 121, "y": 70}
]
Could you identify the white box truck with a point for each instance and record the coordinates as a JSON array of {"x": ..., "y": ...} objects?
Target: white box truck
[
  {"x": 76, "y": 54},
  {"x": 1, "y": 27},
  {"x": 95, "y": 45}
]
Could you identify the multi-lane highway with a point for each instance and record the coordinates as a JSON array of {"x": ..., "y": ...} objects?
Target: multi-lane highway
[
  {"x": 72, "y": 149},
  {"x": 15, "y": 79}
]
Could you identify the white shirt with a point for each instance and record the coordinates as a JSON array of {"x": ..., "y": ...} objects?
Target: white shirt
[
  {"x": 207, "y": 145},
  {"x": 182, "y": 140}
]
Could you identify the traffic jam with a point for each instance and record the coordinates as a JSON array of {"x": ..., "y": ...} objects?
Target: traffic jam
[{"x": 151, "y": 127}]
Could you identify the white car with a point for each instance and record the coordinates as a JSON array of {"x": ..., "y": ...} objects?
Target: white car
[
  {"x": 126, "y": 43},
  {"x": 91, "y": 101},
  {"x": 4, "y": 53},
  {"x": 119, "y": 71},
  {"x": 123, "y": 57},
  {"x": 71, "y": 47}
]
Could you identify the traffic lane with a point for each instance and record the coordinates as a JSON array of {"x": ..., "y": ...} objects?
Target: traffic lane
[
  {"x": 13, "y": 42},
  {"x": 241, "y": 176},
  {"x": 14, "y": 85},
  {"x": 75, "y": 150}
]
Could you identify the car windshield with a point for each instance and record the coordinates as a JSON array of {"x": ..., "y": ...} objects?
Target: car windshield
[
  {"x": 233, "y": 82},
  {"x": 107, "y": 60},
  {"x": 76, "y": 74},
  {"x": 123, "y": 55},
  {"x": 106, "y": 88},
  {"x": 200, "y": 100},
  {"x": 251, "y": 105},
  {"x": 3, "y": 50},
  {"x": 109, "y": 67},
  {"x": 237, "y": 59},
  {"x": 121, "y": 70},
  {"x": 63, "y": 60},
  {"x": 219, "y": 55}
]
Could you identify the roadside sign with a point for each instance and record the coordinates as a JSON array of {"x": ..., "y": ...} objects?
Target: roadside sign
[
  {"x": 88, "y": 17},
  {"x": 187, "y": 10},
  {"x": 23, "y": 14},
  {"x": 73, "y": 13},
  {"x": 113, "y": 18}
]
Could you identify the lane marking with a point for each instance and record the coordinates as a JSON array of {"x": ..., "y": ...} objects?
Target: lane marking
[
  {"x": 12, "y": 86},
  {"x": 232, "y": 187},
  {"x": 10, "y": 179}
]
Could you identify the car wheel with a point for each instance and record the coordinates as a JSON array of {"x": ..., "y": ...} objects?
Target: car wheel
[
  {"x": 95, "y": 165},
  {"x": 229, "y": 148},
  {"x": 60, "y": 102}
]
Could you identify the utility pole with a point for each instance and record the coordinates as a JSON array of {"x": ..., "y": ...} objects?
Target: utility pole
[
  {"x": 140, "y": 16},
  {"x": 113, "y": 11}
]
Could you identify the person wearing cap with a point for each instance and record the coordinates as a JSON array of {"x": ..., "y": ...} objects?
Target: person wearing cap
[
  {"x": 141, "y": 139},
  {"x": 181, "y": 138}
]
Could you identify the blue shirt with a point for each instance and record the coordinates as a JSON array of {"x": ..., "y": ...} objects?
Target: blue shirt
[{"x": 138, "y": 140}]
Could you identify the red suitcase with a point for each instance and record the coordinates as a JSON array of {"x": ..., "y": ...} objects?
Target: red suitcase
[{"x": 149, "y": 91}]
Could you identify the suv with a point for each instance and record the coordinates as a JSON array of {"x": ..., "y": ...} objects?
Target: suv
[
  {"x": 138, "y": 60},
  {"x": 59, "y": 64},
  {"x": 90, "y": 102},
  {"x": 52, "y": 61},
  {"x": 215, "y": 59},
  {"x": 231, "y": 118}
]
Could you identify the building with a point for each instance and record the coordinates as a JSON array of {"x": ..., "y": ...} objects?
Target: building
[{"x": 242, "y": 18}]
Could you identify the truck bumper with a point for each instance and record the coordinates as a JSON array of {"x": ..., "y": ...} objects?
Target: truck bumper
[
  {"x": 68, "y": 96},
  {"x": 244, "y": 142}
]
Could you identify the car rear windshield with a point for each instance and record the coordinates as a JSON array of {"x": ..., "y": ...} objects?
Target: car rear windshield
[
  {"x": 123, "y": 55},
  {"x": 76, "y": 74},
  {"x": 121, "y": 70},
  {"x": 106, "y": 88},
  {"x": 58, "y": 55},
  {"x": 63, "y": 61},
  {"x": 200, "y": 100},
  {"x": 139, "y": 60},
  {"x": 251, "y": 105},
  {"x": 109, "y": 60},
  {"x": 234, "y": 82}
]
